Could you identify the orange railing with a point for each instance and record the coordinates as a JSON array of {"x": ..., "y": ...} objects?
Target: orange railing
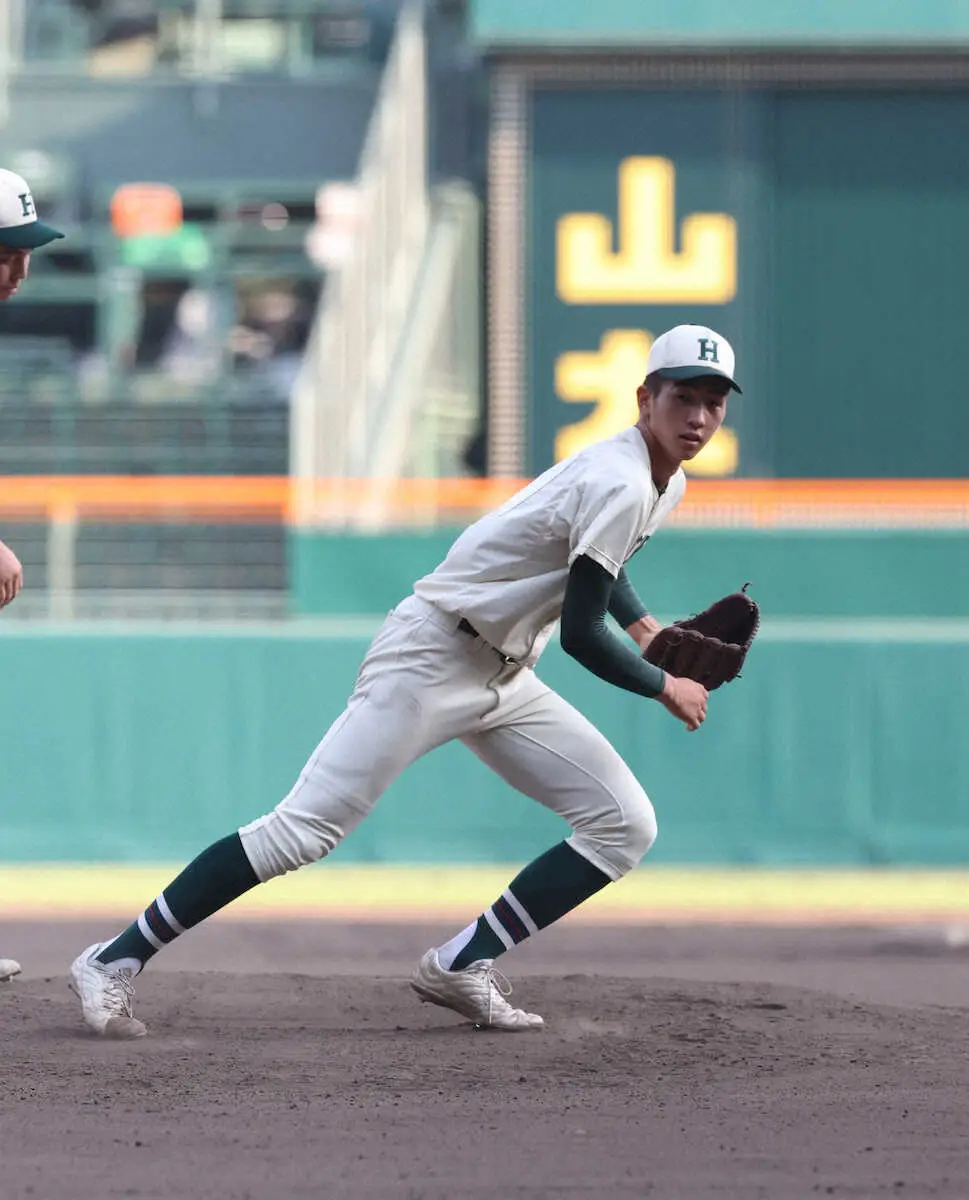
[
  {"x": 826, "y": 503},
  {"x": 270, "y": 499},
  {"x": 742, "y": 503},
  {"x": 186, "y": 498}
]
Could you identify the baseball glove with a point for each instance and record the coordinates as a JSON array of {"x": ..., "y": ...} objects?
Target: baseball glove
[{"x": 711, "y": 646}]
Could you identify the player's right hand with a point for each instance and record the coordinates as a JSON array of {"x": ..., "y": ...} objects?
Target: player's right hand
[
  {"x": 685, "y": 699},
  {"x": 11, "y": 575}
]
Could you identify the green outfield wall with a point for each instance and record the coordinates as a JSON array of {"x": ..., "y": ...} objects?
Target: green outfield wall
[
  {"x": 711, "y": 23},
  {"x": 843, "y": 743},
  {"x": 850, "y": 573}
]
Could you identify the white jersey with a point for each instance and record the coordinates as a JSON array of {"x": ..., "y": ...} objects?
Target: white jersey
[{"x": 507, "y": 573}]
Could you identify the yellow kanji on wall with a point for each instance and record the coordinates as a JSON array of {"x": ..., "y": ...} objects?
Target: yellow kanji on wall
[{"x": 646, "y": 267}]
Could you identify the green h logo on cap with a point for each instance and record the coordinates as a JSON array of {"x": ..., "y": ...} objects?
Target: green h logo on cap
[
  {"x": 708, "y": 350},
  {"x": 26, "y": 204}
]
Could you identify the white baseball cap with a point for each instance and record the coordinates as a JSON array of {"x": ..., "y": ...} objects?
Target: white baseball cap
[
  {"x": 688, "y": 352},
  {"x": 19, "y": 227}
]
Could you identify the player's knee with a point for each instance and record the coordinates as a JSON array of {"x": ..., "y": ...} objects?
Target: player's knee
[
  {"x": 616, "y": 838},
  {"x": 640, "y": 832},
  {"x": 635, "y": 834},
  {"x": 287, "y": 839}
]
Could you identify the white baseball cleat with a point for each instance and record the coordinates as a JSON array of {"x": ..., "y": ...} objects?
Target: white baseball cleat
[
  {"x": 8, "y": 968},
  {"x": 477, "y": 992},
  {"x": 105, "y": 995}
]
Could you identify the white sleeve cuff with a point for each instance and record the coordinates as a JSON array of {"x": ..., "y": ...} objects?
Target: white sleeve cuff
[{"x": 604, "y": 561}]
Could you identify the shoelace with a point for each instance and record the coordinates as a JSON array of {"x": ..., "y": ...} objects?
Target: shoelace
[
  {"x": 497, "y": 983},
  {"x": 118, "y": 990}
]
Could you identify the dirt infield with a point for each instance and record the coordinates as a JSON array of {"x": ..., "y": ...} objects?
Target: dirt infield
[{"x": 292, "y": 1060}]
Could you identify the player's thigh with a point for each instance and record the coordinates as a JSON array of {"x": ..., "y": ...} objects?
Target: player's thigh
[
  {"x": 552, "y": 753},
  {"x": 411, "y": 694},
  {"x": 402, "y": 706},
  {"x": 362, "y": 753},
  {"x": 385, "y": 727}
]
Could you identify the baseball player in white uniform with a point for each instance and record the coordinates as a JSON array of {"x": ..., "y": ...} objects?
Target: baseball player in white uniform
[
  {"x": 455, "y": 660},
  {"x": 20, "y": 234}
]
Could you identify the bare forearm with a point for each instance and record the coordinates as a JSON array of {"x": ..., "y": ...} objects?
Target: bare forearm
[{"x": 644, "y": 630}]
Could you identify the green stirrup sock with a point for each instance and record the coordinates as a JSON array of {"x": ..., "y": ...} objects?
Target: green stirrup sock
[
  {"x": 555, "y": 883},
  {"x": 219, "y": 875}
]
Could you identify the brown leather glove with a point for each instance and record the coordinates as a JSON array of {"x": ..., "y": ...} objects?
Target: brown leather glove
[{"x": 711, "y": 646}]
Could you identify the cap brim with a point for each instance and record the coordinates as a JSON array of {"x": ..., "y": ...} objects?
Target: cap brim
[
  {"x": 29, "y": 236},
  {"x": 685, "y": 372}
]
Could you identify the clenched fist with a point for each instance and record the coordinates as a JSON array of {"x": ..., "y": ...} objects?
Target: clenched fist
[
  {"x": 11, "y": 575},
  {"x": 685, "y": 699}
]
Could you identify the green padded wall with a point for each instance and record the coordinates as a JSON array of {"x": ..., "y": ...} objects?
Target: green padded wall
[
  {"x": 837, "y": 746},
  {"x": 709, "y": 22},
  {"x": 794, "y": 574}
]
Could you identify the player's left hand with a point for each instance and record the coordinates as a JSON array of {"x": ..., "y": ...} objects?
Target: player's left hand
[{"x": 11, "y": 575}]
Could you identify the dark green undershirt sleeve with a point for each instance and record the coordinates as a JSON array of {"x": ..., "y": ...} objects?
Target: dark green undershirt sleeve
[
  {"x": 586, "y": 638},
  {"x": 625, "y": 605}
]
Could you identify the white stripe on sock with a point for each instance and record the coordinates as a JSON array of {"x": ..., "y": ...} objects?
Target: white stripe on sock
[
  {"x": 520, "y": 910},
  {"x": 166, "y": 912},
  {"x": 498, "y": 929},
  {"x": 147, "y": 934}
]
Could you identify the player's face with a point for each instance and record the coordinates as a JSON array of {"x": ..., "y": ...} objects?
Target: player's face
[
  {"x": 14, "y": 267},
  {"x": 682, "y": 416}
]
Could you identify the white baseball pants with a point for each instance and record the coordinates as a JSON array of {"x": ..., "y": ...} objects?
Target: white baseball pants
[{"x": 423, "y": 682}]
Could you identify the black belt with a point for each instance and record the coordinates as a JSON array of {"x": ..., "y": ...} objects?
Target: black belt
[{"x": 465, "y": 626}]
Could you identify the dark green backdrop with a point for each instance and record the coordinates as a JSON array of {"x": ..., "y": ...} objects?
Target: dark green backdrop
[{"x": 852, "y": 210}]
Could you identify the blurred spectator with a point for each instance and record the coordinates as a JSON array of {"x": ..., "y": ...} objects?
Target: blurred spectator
[
  {"x": 192, "y": 351},
  {"x": 268, "y": 339}
]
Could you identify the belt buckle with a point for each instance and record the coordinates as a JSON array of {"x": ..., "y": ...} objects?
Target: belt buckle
[{"x": 466, "y": 627}]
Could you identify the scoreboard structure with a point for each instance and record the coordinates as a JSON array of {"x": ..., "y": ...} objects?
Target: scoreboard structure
[{"x": 810, "y": 205}]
